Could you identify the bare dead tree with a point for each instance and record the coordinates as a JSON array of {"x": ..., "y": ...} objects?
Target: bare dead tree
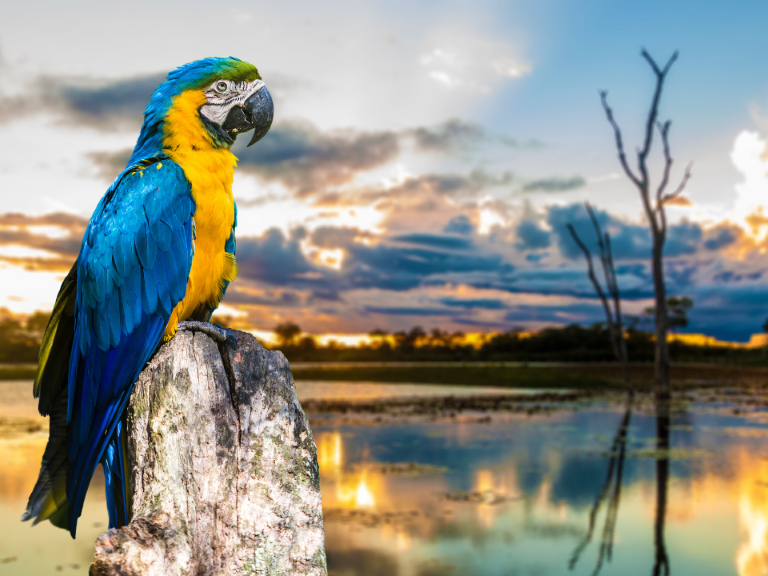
[
  {"x": 612, "y": 307},
  {"x": 654, "y": 207}
]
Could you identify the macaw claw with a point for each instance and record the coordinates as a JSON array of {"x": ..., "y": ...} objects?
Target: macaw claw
[{"x": 215, "y": 331}]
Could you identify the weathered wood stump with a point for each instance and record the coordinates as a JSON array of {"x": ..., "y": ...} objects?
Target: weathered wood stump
[{"x": 223, "y": 466}]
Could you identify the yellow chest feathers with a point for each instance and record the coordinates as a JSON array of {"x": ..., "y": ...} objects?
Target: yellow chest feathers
[{"x": 209, "y": 170}]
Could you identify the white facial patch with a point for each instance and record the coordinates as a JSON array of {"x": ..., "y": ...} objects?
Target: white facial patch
[{"x": 223, "y": 95}]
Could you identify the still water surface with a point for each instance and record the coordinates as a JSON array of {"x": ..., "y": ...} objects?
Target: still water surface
[{"x": 513, "y": 496}]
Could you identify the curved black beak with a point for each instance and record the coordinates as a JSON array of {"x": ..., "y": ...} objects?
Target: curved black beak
[{"x": 256, "y": 112}]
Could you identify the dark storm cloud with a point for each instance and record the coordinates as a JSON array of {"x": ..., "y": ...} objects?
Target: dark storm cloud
[
  {"x": 470, "y": 303},
  {"x": 408, "y": 262},
  {"x": 435, "y": 241},
  {"x": 732, "y": 312},
  {"x": 452, "y": 185},
  {"x": 273, "y": 258},
  {"x": 459, "y": 225},
  {"x": 104, "y": 104},
  {"x": 628, "y": 241},
  {"x": 456, "y": 134},
  {"x": 721, "y": 237},
  {"x": 410, "y": 311},
  {"x": 107, "y": 104},
  {"x": 277, "y": 260},
  {"x": 531, "y": 237},
  {"x": 448, "y": 136},
  {"x": 581, "y": 312},
  {"x": 554, "y": 184},
  {"x": 280, "y": 298},
  {"x": 307, "y": 160},
  {"x": 304, "y": 159},
  {"x": 683, "y": 239}
]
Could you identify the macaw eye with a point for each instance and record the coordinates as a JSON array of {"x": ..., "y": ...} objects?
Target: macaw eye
[{"x": 221, "y": 86}]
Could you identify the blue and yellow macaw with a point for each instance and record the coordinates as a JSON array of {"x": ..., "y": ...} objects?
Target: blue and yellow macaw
[{"x": 158, "y": 250}]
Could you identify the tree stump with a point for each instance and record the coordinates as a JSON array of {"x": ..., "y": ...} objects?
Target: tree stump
[{"x": 223, "y": 466}]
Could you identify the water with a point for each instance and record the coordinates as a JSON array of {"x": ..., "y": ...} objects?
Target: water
[
  {"x": 512, "y": 496},
  {"x": 531, "y": 485}
]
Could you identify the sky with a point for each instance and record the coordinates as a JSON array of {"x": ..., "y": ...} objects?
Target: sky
[{"x": 424, "y": 160}]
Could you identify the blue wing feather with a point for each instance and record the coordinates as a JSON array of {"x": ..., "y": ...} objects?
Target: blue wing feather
[
  {"x": 148, "y": 291},
  {"x": 163, "y": 290},
  {"x": 145, "y": 246},
  {"x": 132, "y": 271}
]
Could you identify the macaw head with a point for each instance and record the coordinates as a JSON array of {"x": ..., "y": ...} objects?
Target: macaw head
[{"x": 222, "y": 96}]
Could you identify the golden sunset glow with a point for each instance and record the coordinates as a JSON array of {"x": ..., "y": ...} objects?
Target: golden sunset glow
[
  {"x": 752, "y": 501},
  {"x": 363, "y": 496}
]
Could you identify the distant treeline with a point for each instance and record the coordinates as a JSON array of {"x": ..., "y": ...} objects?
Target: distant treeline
[
  {"x": 20, "y": 342},
  {"x": 573, "y": 343},
  {"x": 20, "y": 339}
]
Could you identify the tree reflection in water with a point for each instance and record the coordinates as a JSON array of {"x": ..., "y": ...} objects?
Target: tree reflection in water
[
  {"x": 661, "y": 560},
  {"x": 610, "y": 491}
]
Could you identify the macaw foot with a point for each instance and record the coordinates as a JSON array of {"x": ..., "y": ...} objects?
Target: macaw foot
[{"x": 213, "y": 330}]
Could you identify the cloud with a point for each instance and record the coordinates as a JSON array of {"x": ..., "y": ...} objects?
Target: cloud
[
  {"x": 455, "y": 134},
  {"x": 453, "y": 185},
  {"x": 628, "y": 241},
  {"x": 448, "y": 136},
  {"x": 683, "y": 239},
  {"x": 306, "y": 160},
  {"x": 679, "y": 201},
  {"x": 102, "y": 104},
  {"x": 278, "y": 260},
  {"x": 409, "y": 311},
  {"x": 57, "y": 235},
  {"x": 274, "y": 259},
  {"x": 435, "y": 241},
  {"x": 471, "y": 303},
  {"x": 465, "y": 62},
  {"x": 309, "y": 161},
  {"x": 721, "y": 237},
  {"x": 554, "y": 184},
  {"x": 531, "y": 237},
  {"x": 105, "y": 104},
  {"x": 241, "y": 293},
  {"x": 542, "y": 314},
  {"x": 110, "y": 164},
  {"x": 459, "y": 225},
  {"x": 748, "y": 156}
]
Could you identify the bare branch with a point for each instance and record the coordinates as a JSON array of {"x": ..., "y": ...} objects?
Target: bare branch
[
  {"x": 652, "y": 62},
  {"x": 681, "y": 186},
  {"x": 619, "y": 140},
  {"x": 664, "y": 133},
  {"x": 652, "y": 113},
  {"x": 615, "y": 325},
  {"x": 596, "y": 284},
  {"x": 601, "y": 245}
]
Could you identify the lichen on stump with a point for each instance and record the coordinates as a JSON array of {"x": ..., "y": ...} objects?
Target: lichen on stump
[{"x": 223, "y": 466}]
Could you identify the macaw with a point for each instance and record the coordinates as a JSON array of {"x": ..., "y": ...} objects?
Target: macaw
[{"x": 158, "y": 250}]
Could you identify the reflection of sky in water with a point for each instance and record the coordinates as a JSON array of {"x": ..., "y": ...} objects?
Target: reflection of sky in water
[
  {"x": 547, "y": 472},
  {"x": 530, "y": 484},
  {"x": 42, "y": 550}
]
